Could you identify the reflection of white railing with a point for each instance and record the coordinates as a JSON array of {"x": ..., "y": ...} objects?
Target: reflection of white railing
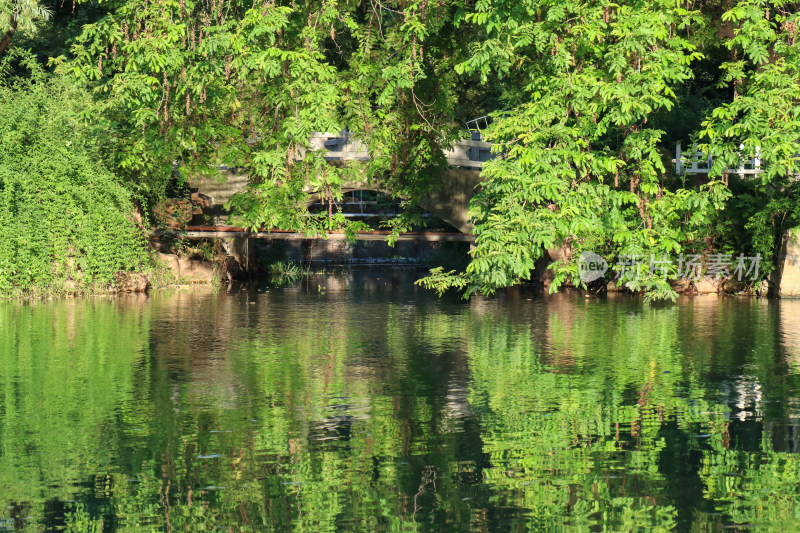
[
  {"x": 696, "y": 162},
  {"x": 344, "y": 147}
]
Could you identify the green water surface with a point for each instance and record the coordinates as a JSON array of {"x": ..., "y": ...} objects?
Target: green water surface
[{"x": 366, "y": 404}]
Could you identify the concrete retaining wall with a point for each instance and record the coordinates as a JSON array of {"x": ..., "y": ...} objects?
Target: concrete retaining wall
[
  {"x": 785, "y": 280},
  {"x": 317, "y": 251}
]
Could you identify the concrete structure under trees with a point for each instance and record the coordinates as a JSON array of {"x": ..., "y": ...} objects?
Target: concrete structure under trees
[{"x": 449, "y": 202}]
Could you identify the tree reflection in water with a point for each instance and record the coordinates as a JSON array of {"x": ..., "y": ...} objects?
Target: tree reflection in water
[{"x": 365, "y": 404}]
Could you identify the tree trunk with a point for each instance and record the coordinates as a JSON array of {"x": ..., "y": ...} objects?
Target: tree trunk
[{"x": 6, "y": 40}]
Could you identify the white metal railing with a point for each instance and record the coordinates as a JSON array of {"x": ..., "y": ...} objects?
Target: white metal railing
[
  {"x": 696, "y": 162},
  {"x": 474, "y": 127}
]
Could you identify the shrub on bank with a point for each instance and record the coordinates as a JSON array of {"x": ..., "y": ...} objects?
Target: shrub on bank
[{"x": 66, "y": 222}]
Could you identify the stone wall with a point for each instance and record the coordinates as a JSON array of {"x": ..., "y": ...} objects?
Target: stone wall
[
  {"x": 784, "y": 282},
  {"x": 188, "y": 270}
]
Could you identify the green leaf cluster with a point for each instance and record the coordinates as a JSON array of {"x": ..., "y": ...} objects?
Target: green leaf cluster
[
  {"x": 187, "y": 86},
  {"x": 579, "y": 167},
  {"x": 587, "y": 98},
  {"x": 762, "y": 121}
]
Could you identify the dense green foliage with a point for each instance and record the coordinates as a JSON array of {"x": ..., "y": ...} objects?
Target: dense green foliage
[
  {"x": 65, "y": 221},
  {"x": 586, "y": 101},
  {"x": 191, "y": 85},
  {"x": 580, "y": 168},
  {"x": 19, "y": 14},
  {"x": 583, "y": 168},
  {"x": 762, "y": 120}
]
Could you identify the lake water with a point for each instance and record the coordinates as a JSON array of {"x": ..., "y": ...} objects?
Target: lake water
[{"x": 366, "y": 404}]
